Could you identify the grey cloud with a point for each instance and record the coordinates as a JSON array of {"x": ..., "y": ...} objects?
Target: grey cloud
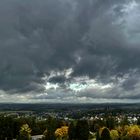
[
  {"x": 57, "y": 79},
  {"x": 130, "y": 84},
  {"x": 53, "y": 95},
  {"x": 37, "y": 37}
]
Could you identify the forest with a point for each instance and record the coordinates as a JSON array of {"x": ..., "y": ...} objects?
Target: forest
[{"x": 104, "y": 128}]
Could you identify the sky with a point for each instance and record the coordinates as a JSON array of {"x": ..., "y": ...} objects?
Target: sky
[{"x": 70, "y": 51}]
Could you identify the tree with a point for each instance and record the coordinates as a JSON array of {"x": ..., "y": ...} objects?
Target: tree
[
  {"x": 25, "y": 132},
  {"x": 97, "y": 135},
  {"x": 110, "y": 123},
  {"x": 124, "y": 121},
  {"x": 134, "y": 132},
  {"x": 105, "y": 135},
  {"x": 52, "y": 125},
  {"x": 6, "y": 127},
  {"x": 82, "y": 130},
  {"x": 138, "y": 121},
  {"x": 62, "y": 133},
  {"x": 114, "y": 135},
  {"x": 71, "y": 131}
]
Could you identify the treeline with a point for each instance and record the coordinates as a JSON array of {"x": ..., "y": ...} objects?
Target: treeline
[
  {"x": 10, "y": 126},
  {"x": 106, "y": 128}
]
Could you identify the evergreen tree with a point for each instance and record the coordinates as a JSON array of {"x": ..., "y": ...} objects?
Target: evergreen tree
[
  {"x": 110, "y": 123},
  {"x": 52, "y": 125},
  {"x": 82, "y": 130},
  {"x": 71, "y": 131},
  {"x": 6, "y": 127},
  {"x": 138, "y": 121},
  {"x": 105, "y": 135},
  {"x": 124, "y": 121},
  {"x": 97, "y": 135}
]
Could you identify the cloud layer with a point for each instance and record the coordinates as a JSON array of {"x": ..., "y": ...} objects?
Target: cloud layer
[{"x": 72, "y": 50}]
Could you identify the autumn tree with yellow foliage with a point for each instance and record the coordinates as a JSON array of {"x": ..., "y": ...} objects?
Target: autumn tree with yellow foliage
[
  {"x": 25, "y": 132},
  {"x": 62, "y": 133},
  {"x": 134, "y": 132}
]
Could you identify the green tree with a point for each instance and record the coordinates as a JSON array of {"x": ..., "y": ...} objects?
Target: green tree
[
  {"x": 97, "y": 135},
  {"x": 110, "y": 122},
  {"x": 52, "y": 125},
  {"x": 6, "y": 127},
  {"x": 124, "y": 121},
  {"x": 71, "y": 131},
  {"x": 138, "y": 121},
  {"x": 82, "y": 130},
  {"x": 105, "y": 135}
]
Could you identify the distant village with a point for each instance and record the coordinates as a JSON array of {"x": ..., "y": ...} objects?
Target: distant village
[{"x": 96, "y": 116}]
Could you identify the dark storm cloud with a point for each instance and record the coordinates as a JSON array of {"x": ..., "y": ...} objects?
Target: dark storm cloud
[
  {"x": 89, "y": 36},
  {"x": 57, "y": 79},
  {"x": 130, "y": 83}
]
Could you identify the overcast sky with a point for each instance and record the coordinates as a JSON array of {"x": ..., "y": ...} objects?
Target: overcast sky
[{"x": 75, "y": 51}]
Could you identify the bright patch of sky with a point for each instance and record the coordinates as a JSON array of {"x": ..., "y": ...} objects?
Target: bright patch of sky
[{"x": 76, "y": 84}]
